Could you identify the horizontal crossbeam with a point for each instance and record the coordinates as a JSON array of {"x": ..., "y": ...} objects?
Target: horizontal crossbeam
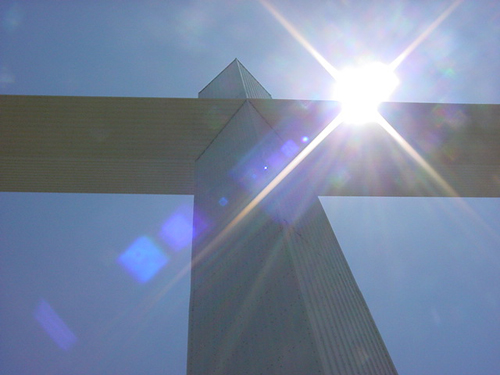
[{"x": 149, "y": 145}]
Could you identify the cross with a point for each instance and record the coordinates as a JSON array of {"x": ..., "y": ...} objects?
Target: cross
[{"x": 271, "y": 291}]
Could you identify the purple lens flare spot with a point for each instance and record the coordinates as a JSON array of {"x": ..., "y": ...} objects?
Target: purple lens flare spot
[
  {"x": 143, "y": 259},
  {"x": 54, "y": 326},
  {"x": 290, "y": 148},
  {"x": 177, "y": 231}
]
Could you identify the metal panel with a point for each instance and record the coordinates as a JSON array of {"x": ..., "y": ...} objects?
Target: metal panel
[
  {"x": 90, "y": 144},
  {"x": 227, "y": 85},
  {"x": 68, "y": 175},
  {"x": 346, "y": 335},
  {"x": 253, "y": 88}
]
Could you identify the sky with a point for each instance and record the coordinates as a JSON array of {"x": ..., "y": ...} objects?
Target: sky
[{"x": 428, "y": 267}]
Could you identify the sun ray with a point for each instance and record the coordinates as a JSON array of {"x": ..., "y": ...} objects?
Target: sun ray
[
  {"x": 416, "y": 156},
  {"x": 302, "y": 41},
  {"x": 286, "y": 171},
  {"x": 424, "y": 35},
  {"x": 335, "y": 73}
]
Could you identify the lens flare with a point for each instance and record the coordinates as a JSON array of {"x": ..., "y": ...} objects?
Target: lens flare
[
  {"x": 54, "y": 326},
  {"x": 143, "y": 259},
  {"x": 361, "y": 90}
]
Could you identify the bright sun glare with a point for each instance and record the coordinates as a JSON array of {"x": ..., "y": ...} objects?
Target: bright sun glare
[{"x": 361, "y": 90}]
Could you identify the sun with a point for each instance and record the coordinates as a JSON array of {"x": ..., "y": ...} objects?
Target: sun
[{"x": 362, "y": 89}]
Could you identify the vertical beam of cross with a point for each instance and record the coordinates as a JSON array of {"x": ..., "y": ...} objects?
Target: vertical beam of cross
[{"x": 274, "y": 294}]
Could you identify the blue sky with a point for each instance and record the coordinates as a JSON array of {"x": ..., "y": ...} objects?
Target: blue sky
[{"x": 427, "y": 267}]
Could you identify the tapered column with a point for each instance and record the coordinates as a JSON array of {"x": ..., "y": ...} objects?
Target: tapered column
[{"x": 271, "y": 292}]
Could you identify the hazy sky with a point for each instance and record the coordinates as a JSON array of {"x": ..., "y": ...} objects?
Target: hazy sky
[{"x": 428, "y": 267}]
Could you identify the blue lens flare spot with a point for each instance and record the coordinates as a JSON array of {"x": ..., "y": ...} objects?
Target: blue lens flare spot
[
  {"x": 143, "y": 259},
  {"x": 305, "y": 139},
  {"x": 177, "y": 232},
  {"x": 54, "y": 326},
  {"x": 290, "y": 148},
  {"x": 223, "y": 201}
]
